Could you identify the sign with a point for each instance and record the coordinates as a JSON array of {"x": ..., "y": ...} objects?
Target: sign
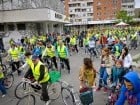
[{"x": 58, "y": 16}]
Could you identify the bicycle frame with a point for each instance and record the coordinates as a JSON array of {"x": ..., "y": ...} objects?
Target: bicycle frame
[{"x": 75, "y": 96}]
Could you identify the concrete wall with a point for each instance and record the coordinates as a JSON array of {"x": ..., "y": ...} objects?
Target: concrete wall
[{"x": 30, "y": 15}]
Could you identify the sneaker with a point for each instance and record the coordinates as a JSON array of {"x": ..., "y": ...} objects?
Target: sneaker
[
  {"x": 98, "y": 89},
  {"x": 48, "y": 102},
  {"x": 3, "y": 95},
  {"x": 105, "y": 90},
  {"x": 69, "y": 71}
]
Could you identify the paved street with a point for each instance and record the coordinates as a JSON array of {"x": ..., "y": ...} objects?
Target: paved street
[{"x": 75, "y": 62}]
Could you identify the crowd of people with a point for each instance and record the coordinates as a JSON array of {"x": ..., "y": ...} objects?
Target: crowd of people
[{"x": 115, "y": 66}]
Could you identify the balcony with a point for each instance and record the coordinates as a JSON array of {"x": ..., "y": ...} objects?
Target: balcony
[{"x": 79, "y": 1}]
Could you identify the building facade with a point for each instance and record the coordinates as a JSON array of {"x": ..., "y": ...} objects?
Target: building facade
[
  {"x": 129, "y": 6},
  {"x": 37, "y": 16},
  {"x": 106, "y": 9},
  {"x": 84, "y": 13}
]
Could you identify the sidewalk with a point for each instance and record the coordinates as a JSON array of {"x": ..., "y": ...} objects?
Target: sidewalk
[{"x": 136, "y": 60}]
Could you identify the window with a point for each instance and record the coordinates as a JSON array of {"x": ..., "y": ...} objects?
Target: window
[
  {"x": 89, "y": 10},
  {"x": 89, "y": 4},
  {"x": 130, "y": 6},
  {"x": 11, "y": 27},
  {"x": 89, "y": 14},
  {"x": 21, "y": 27},
  {"x": 99, "y": 3},
  {"x": 89, "y": 19},
  {"x": 1, "y": 27},
  {"x": 98, "y": 8}
]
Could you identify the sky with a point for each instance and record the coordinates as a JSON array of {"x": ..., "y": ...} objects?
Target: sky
[{"x": 137, "y": 3}]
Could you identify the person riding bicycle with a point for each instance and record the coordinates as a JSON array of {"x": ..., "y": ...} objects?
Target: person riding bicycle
[
  {"x": 13, "y": 54},
  {"x": 62, "y": 53},
  {"x": 2, "y": 88},
  {"x": 49, "y": 52},
  {"x": 130, "y": 91},
  {"x": 41, "y": 76},
  {"x": 73, "y": 43}
]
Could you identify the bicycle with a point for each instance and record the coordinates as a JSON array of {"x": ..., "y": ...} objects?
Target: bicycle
[
  {"x": 69, "y": 96},
  {"x": 49, "y": 63},
  {"x": 113, "y": 95},
  {"x": 8, "y": 77},
  {"x": 63, "y": 66},
  {"x": 31, "y": 89}
]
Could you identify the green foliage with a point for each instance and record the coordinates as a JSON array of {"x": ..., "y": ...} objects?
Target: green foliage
[{"x": 122, "y": 16}]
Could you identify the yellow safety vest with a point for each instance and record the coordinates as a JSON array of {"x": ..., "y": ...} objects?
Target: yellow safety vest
[
  {"x": 61, "y": 51},
  {"x": 50, "y": 52},
  {"x": 14, "y": 54},
  {"x": 117, "y": 52},
  {"x": 21, "y": 50},
  {"x": 36, "y": 72},
  {"x": 86, "y": 40},
  {"x": 73, "y": 41},
  {"x": 29, "y": 62},
  {"x": 1, "y": 73}
]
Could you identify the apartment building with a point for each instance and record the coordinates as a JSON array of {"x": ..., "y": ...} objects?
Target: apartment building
[
  {"x": 80, "y": 11},
  {"x": 89, "y": 12},
  {"x": 106, "y": 9},
  {"x": 129, "y": 6}
]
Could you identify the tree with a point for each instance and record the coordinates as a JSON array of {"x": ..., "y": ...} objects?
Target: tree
[{"x": 123, "y": 16}]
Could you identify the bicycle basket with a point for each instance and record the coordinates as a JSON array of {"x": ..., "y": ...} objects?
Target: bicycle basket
[
  {"x": 86, "y": 97},
  {"x": 54, "y": 76}
]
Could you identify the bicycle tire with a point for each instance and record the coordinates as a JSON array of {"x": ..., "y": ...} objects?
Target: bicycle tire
[
  {"x": 69, "y": 96},
  {"x": 22, "y": 87},
  {"x": 8, "y": 78},
  {"x": 26, "y": 100},
  {"x": 54, "y": 90}
]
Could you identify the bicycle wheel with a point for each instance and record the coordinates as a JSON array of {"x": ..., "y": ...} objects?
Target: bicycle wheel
[
  {"x": 67, "y": 96},
  {"x": 54, "y": 90},
  {"x": 21, "y": 90},
  {"x": 27, "y": 100},
  {"x": 8, "y": 81}
]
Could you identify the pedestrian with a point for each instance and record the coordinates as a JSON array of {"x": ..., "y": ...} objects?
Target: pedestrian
[
  {"x": 117, "y": 73},
  {"x": 87, "y": 74},
  {"x": 105, "y": 69},
  {"x": 130, "y": 90},
  {"x": 126, "y": 58}
]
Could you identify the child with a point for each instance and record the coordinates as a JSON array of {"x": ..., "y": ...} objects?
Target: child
[
  {"x": 87, "y": 73},
  {"x": 2, "y": 88},
  {"x": 117, "y": 73}
]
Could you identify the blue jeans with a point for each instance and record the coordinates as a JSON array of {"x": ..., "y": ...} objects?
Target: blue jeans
[
  {"x": 2, "y": 88},
  {"x": 103, "y": 77}
]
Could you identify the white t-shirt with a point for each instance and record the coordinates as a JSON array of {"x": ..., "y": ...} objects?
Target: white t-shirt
[
  {"x": 91, "y": 44},
  {"x": 127, "y": 62}
]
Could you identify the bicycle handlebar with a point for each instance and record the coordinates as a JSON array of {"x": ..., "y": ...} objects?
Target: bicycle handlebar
[{"x": 29, "y": 82}]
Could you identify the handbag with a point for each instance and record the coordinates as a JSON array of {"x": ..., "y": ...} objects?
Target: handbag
[{"x": 86, "y": 96}]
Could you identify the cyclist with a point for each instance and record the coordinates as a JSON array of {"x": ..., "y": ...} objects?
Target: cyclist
[
  {"x": 130, "y": 91},
  {"x": 41, "y": 76},
  {"x": 73, "y": 43},
  {"x": 2, "y": 88},
  {"x": 63, "y": 54},
  {"x": 13, "y": 53},
  {"x": 49, "y": 52}
]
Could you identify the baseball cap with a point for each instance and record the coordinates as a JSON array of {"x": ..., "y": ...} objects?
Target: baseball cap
[{"x": 34, "y": 57}]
